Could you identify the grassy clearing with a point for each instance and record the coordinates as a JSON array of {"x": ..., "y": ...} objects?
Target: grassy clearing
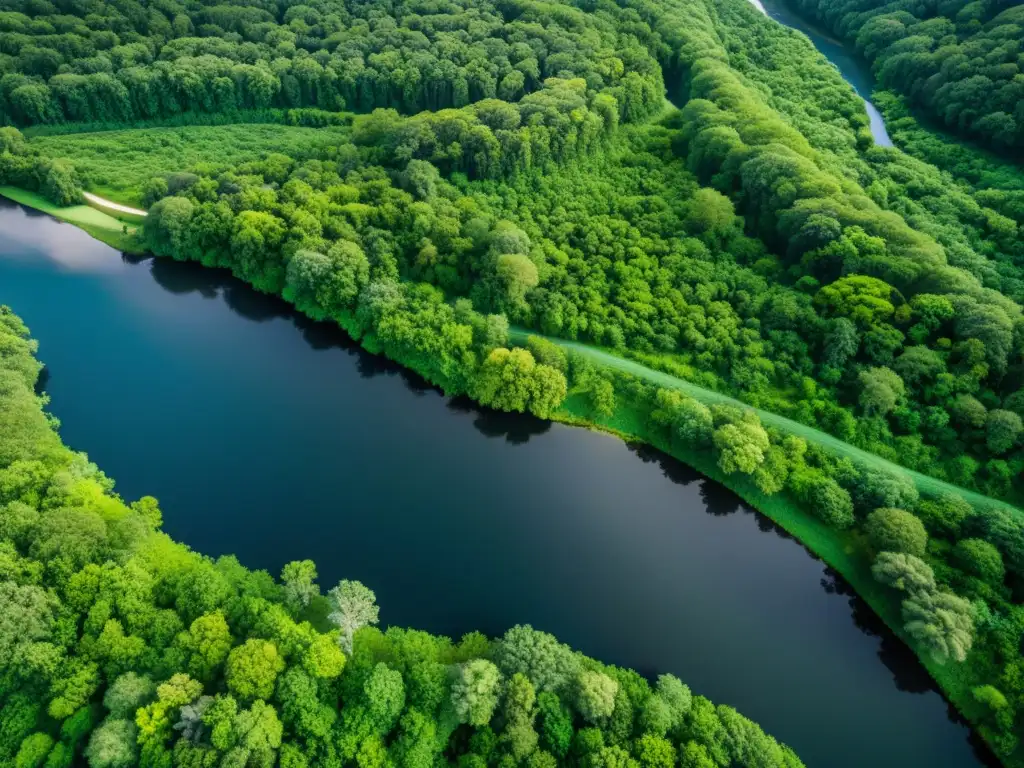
[{"x": 115, "y": 164}]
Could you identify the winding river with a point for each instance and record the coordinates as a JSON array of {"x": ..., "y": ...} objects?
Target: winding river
[
  {"x": 853, "y": 68},
  {"x": 274, "y": 438}
]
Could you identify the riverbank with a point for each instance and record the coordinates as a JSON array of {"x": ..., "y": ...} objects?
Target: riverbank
[
  {"x": 844, "y": 552},
  {"x": 102, "y": 226}
]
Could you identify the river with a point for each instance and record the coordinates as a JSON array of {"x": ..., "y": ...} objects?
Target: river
[
  {"x": 275, "y": 438},
  {"x": 851, "y": 66}
]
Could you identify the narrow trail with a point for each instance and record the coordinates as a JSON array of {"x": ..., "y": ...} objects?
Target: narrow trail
[
  {"x": 925, "y": 484},
  {"x": 111, "y": 205}
]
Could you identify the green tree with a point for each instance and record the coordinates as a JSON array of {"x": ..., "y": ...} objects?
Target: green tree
[
  {"x": 354, "y": 607},
  {"x": 299, "y": 577},
  {"x": 741, "y": 445},
  {"x": 252, "y": 669},
  {"x": 475, "y": 692},
  {"x": 904, "y": 572},
  {"x": 595, "y": 695},
  {"x": 979, "y": 558},
  {"x": 112, "y": 745},
  {"x": 941, "y": 623},
  {"x": 895, "y": 530}
]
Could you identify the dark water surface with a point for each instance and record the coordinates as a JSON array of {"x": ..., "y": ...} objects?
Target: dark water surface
[
  {"x": 273, "y": 438},
  {"x": 851, "y": 66}
]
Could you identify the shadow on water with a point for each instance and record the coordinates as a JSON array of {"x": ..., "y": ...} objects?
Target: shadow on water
[
  {"x": 667, "y": 541},
  {"x": 908, "y": 673},
  {"x": 182, "y": 278}
]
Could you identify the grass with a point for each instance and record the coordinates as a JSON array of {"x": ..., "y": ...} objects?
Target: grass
[
  {"x": 926, "y": 484},
  {"x": 115, "y": 164},
  {"x": 100, "y": 225}
]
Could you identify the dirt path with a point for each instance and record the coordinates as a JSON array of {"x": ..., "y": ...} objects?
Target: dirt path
[{"x": 110, "y": 205}]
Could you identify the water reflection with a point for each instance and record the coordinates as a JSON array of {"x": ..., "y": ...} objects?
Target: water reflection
[
  {"x": 908, "y": 674},
  {"x": 290, "y": 453}
]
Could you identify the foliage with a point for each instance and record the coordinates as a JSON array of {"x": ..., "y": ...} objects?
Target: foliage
[{"x": 127, "y": 620}]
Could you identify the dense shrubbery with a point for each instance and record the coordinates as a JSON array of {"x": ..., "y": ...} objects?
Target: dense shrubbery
[
  {"x": 119, "y": 647},
  {"x": 959, "y": 60},
  {"x": 129, "y": 61},
  {"x": 54, "y": 178}
]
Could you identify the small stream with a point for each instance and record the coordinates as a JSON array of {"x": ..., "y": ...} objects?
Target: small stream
[{"x": 853, "y": 68}]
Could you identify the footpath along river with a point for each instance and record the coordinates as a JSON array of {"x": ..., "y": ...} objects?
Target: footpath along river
[{"x": 274, "y": 438}]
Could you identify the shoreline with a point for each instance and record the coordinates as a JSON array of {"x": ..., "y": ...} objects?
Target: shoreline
[{"x": 838, "y": 550}]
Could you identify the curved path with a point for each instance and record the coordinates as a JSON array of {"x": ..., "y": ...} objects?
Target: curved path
[
  {"x": 925, "y": 483},
  {"x": 111, "y": 205}
]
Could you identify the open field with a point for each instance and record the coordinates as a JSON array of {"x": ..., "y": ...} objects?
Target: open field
[{"x": 115, "y": 164}]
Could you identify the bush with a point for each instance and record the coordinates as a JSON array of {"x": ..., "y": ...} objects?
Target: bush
[
  {"x": 979, "y": 558},
  {"x": 896, "y": 530}
]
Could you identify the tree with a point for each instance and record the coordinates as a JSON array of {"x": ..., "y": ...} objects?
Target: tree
[
  {"x": 207, "y": 642},
  {"x": 112, "y": 745},
  {"x": 510, "y": 380},
  {"x": 654, "y": 752},
  {"x": 880, "y": 390},
  {"x": 259, "y": 732},
  {"x": 127, "y": 693},
  {"x": 548, "y": 664},
  {"x": 355, "y": 606},
  {"x": 252, "y": 669},
  {"x": 33, "y": 751},
  {"x": 904, "y": 572},
  {"x": 475, "y": 692},
  {"x": 709, "y": 212},
  {"x": 299, "y": 577},
  {"x": 741, "y": 445},
  {"x": 946, "y": 515},
  {"x": 385, "y": 694},
  {"x": 1002, "y": 431},
  {"x": 968, "y": 411},
  {"x": 823, "y": 496},
  {"x": 595, "y": 695},
  {"x": 841, "y": 344},
  {"x": 676, "y": 695},
  {"x": 896, "y": 530},
  {"x": 323, "y": 659},
  {"x": 941, "y": 623},
  {"x": 980, "y": 559},
  {"x": 61, "y": 184},
  {"x": 555, "y": 721},
  {"x": 517, "y": 275}
]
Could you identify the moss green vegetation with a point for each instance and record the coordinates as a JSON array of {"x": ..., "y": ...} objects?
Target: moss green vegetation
[
  {"x": 513, "y": 162},
  {"x": 907, "y": 44},
  {"x": 117, "y": 164},
  {"x": 120, "y": 647}
]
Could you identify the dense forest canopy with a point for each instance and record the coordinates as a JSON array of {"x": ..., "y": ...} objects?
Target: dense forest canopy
[
  {"x": 963, "y": 62},
  {"x": 517, "y": 163},
  {"x": 127, "y": 61}
]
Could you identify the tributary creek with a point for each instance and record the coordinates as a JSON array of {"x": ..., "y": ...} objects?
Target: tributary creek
[
  {"x": 853, "y": 69},
  {"x": 274, "y": 438}
]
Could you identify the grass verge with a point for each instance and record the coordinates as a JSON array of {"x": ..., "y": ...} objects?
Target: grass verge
[
  {"x": 100, "y": 225},
  {"x": 846, "y": 552}
]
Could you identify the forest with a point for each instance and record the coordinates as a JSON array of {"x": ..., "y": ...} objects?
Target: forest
[
  {"x": 684, "y": 184},
  {"x": 959, "y": 61},
  {"x": 121, "y": 647}
]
